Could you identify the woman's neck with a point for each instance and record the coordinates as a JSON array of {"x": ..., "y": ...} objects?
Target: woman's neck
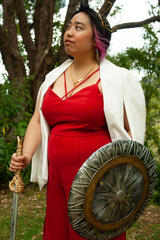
[{"x": 83, "y": 62}]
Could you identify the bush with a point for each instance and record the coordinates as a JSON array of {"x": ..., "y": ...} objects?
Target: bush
[
  {"x": 16, "y": 107},
  {"x": 156, "y": 193}
]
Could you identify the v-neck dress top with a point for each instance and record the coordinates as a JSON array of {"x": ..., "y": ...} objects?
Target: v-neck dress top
[{"x": 78, "y": 128}]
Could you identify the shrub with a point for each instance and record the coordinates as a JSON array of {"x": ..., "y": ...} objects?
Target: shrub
[
  {"x": 156, "y": 193},
  {"x": 16, "y": 107}
]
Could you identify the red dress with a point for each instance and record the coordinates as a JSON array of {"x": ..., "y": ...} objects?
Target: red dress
[{"x": 78, "y": 128}]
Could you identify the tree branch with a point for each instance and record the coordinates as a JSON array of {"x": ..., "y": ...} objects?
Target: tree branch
[
  {"x": 136, "y": 24},
  {"x": 10, "y": 52},
  {"x": 9, "y": 22},
  {"x": 106, "y": 7},
  {"x": 3, "y": 43},
  {"x": 36, "y": 21},
  {"x": 43, "y": 22},
  {"x": 70, "y": 10},
  {"x": 25, "y": 32}
]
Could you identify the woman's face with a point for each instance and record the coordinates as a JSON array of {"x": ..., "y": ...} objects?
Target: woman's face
[{"x": 78, "y": 38}]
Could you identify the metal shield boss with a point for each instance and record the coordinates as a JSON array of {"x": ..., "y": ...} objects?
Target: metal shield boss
[{"x": 111, "y": 190}]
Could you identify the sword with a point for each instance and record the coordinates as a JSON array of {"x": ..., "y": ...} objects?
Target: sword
[{"x": 16, "y": 186}]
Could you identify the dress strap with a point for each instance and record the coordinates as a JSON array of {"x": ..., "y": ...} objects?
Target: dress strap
[
  {"x": 79, "y": 83},
  {"x": 98, "y": 81},
  {"x": 65, "y": 84}
]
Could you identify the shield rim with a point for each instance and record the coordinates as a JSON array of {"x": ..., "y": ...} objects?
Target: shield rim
[{"x": 92, "y": 187}]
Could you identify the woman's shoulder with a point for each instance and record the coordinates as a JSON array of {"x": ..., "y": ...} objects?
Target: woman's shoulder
[
  {"x": 108, "y": 65},
  {"x": 58, "y": 69},
  {"x": 117, "y": 72},
  {"x": 52, "y": 75}
]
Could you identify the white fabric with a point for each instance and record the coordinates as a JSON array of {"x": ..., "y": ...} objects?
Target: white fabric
[{"x": 120, "y": 88}]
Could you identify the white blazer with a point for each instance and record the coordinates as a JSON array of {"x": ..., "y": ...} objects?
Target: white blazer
[{"x": 120, "y": 88}]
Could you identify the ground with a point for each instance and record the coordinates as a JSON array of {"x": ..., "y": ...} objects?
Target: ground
[{"x": 32, "y": 204}]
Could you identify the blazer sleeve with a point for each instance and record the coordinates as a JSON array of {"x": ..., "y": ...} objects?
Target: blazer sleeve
[
  {"x": 39, "y": 165},
  {"x": 134, "y": 102}
]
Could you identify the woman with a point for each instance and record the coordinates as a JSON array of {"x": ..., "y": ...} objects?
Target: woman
[{"x": 83, "y": 104}]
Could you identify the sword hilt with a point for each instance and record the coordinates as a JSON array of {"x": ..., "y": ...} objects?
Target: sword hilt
[{"x": 17, "y": 185}]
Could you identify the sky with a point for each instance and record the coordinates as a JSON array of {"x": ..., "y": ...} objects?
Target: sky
[{"x": 132, "y": 11}]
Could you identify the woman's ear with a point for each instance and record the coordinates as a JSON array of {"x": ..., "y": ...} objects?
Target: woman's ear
[{"x": 94, "y": 43}]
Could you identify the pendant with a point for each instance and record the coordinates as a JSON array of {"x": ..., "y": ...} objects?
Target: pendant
[{"x": 75, "y": 83}]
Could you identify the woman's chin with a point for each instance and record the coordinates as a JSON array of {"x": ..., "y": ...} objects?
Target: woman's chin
[{"x": 69, "y": 54}]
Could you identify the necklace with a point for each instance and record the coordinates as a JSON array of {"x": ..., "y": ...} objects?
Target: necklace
[
  {"x": 79, "y": 80},
  {"x": 71, "y": 91}
]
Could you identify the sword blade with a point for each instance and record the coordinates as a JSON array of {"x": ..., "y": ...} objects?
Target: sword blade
[
  {"x": 16, "y": 186},
  {"x": 14, "y": 216}
]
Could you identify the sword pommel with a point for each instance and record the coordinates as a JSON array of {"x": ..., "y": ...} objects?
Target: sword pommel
[{"x": 17, "y": 185}]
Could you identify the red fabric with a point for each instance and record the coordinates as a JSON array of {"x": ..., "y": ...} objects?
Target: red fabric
[
  {"x": 78, "y": 128},
  {"x": 84, "y": 80}
]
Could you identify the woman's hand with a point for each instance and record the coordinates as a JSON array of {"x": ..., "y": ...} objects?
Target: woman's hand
[{"x": 19, "y": 163}]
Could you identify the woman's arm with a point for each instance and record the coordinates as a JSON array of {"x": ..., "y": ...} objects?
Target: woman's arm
[
  {"x": 33, "y": 135},
  {"x": 31, "y": 141}
]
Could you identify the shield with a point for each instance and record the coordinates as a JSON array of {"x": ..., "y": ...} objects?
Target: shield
[{"x": 111, "y": 190}]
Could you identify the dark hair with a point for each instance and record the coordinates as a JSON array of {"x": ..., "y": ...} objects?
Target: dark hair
[{"x": 100, "y": 26}]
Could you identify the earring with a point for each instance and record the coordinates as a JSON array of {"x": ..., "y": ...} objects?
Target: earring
[{"x": 97, "y": 55}]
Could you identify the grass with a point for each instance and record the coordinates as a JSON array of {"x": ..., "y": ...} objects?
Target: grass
[
  {"x": 147, "y": 227},
  {"x": 31, "y": 215}
]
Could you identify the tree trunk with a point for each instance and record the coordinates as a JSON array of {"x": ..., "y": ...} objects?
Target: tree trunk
[{"x": 11, "y": 56}]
